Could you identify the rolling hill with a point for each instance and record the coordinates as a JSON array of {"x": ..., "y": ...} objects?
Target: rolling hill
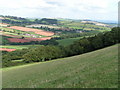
[{"x": 97, "y": 69}]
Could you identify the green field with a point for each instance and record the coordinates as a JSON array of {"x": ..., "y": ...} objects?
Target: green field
[
  {"x": 97, "y": 69},
  {"x": 79, "y": 25},
  {"x": 68, "y": 41},
  {"x": 18, "y": 46}
]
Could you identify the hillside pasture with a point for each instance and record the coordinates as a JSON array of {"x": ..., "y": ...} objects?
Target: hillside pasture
[{"x": 97, "y": 69}]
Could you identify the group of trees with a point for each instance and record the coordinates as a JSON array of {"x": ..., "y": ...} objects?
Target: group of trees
[
  {"x": 48, "y": 21},
  {"x": 3, "y": 40},
  {"x": 23, "y": 21},
  {"x": 43, "y": 53},
  {"x": 13, "y": 17},
  {"x": 8, "y": 57},
  {"x": 81, "y": 46},
  {"x": 17, "y": 21}
]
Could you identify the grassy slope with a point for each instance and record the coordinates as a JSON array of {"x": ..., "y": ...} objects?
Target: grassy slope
[{"x": 94, "y": 69}]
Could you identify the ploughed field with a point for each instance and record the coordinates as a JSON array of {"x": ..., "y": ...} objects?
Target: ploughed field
[
  {"x": 97, "y": 69},
  {"x": 27, "y": 39},
  {"x": 7, "y": 49}
]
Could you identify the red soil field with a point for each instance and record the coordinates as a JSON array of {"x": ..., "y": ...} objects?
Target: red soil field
[
  {"x": 27, "y": 39},
  {"x": 37, "y": 31},
  {"x": 38, "y": 39},
  {"x": 32, "y": 39},
  {"x": 6, "y": 49},
  {"x": 17, "y": 40}
]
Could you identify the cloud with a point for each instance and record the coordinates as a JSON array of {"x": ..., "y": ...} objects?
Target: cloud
[{"x": 93, "y": 9}]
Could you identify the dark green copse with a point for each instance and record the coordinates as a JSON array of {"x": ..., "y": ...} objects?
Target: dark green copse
[{"x": 43, "y": 53}]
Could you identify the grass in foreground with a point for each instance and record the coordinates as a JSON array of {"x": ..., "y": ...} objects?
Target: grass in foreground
[{"x": 98, "y": 69}]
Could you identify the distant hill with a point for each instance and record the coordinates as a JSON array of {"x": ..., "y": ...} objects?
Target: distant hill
[
  {"x": 59, "y": 26},
  {"x": 23, "y": 21},
  {"x": 94, "y": 23},
  {"x": 107, "y": 21}
]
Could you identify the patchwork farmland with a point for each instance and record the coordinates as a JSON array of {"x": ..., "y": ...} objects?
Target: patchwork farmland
[
  {"x": 37, "y": 31},
  {"x": 18, "y": 34}
]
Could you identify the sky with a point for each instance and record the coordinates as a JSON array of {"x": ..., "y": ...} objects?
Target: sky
[{"x": 74, "y": 9}]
